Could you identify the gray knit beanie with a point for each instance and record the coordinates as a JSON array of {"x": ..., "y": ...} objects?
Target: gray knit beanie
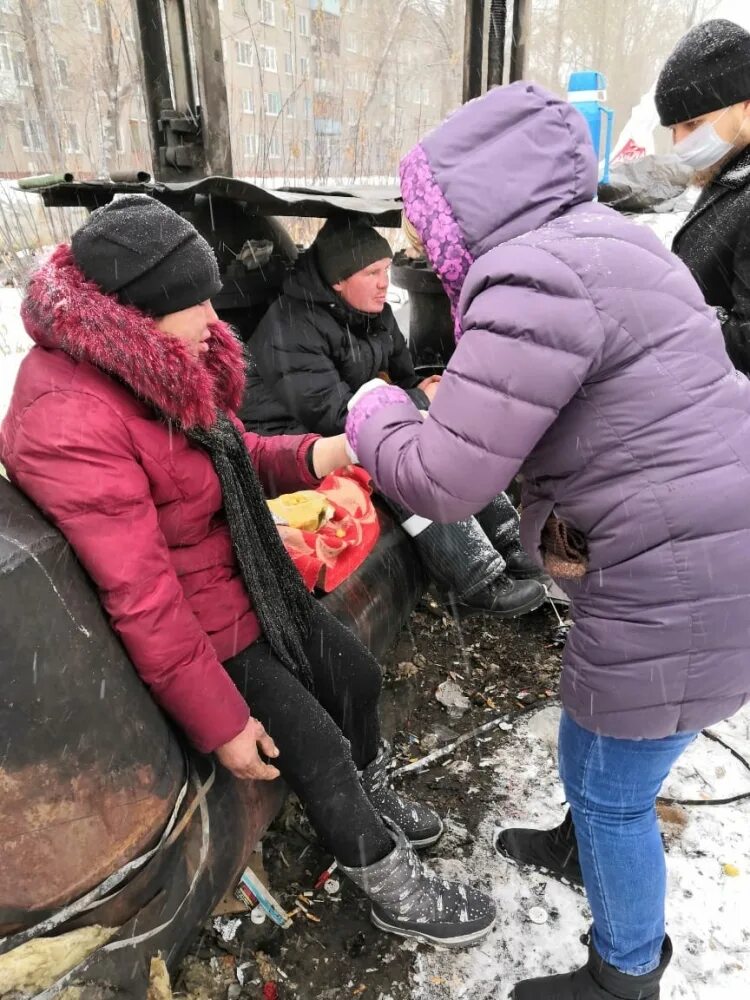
[
  {"x": 709, "y": 69},
  {"x": 345, "y": 246},
  {"x": 147, "y": 255}
]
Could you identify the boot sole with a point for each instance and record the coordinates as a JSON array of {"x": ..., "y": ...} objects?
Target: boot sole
[
  {"x": 428, "y": 841},
  {"x": 460, "y": 941},
  {"x": 467, "y": 611},
  {"x": 529, "y": 869}
]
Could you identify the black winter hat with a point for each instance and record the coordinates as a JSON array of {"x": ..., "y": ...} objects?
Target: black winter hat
[
  {"x": 709, "y": 69},
  {"x": 148, "y": 255},
  {"x": 345, "y": 246}
]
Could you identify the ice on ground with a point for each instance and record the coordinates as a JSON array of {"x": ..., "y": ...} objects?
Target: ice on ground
[
  {"x": 707, "y": 913},
  {"x": 14, "y": 343}
]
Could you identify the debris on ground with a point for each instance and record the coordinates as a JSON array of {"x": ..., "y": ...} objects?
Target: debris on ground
[{"x": 450, "y": 695}]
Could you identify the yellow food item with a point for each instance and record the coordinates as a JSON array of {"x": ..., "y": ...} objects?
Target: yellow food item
[{"x": 305, "y": 509}]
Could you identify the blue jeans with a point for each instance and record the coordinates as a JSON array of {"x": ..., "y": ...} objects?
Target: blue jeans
[{"x": 611, "y": 786}]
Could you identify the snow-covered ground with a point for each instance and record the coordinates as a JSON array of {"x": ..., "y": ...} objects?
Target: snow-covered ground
[
  {"x": 708, "y": 916},
  {"x": 14, "y": 343}
]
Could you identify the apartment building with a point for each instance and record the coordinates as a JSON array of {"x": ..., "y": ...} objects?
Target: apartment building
[{"x": 317, "y": 89}]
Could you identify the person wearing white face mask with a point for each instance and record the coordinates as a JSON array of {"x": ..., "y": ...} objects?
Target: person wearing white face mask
[{"x": 703, "y": 96}]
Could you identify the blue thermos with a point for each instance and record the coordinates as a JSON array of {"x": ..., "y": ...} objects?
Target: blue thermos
[{"x": 587, "y": 91}]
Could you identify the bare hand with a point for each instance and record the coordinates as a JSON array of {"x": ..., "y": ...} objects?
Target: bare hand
[
  {"x": 240, "y": 755},
  {"x": 330, "y": 454},
  {"x": 429, "y": 386}
]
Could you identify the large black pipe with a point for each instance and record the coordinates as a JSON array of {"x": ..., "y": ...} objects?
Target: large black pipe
[
  {"x": 496, "y": 42},
  {"x": 473, "y": 49},
  {"x": 519, "y": 40}
]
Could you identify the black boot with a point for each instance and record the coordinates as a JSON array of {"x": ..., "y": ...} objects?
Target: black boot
[
  {"x": 411, "y": 901},
  {"x": 552, "y": 852},
  {"x": 421, "y": 824},
  {"x": 520, "y": 565},
  {"x": 503, "y": 598},
  {"x": 596, "y": 981}
]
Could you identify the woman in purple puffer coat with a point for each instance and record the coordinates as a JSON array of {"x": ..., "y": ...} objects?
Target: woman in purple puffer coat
[{"x": 589, "y": 362}]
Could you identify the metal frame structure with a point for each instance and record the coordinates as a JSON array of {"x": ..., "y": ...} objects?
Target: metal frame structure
[{"x": 484, "y": 58}]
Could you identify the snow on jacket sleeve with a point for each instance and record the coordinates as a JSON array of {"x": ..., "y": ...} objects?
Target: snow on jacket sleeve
[
  {"x": 76, "y": 459},
  {"x": 293, "y": 359},
  {"x": 736, "y": 324},
  {"x": 530, "y": 335}
]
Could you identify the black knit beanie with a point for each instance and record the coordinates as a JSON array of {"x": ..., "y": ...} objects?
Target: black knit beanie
[
  {"x": 147, "y": 255},
  {"x": 345, "y": 246},
  {"x": 708, "y": 70}
]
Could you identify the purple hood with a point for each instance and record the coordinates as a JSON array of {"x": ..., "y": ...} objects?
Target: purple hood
[
  {"x": 535, "y": 156},
  {"x": 590, "y": 363}
]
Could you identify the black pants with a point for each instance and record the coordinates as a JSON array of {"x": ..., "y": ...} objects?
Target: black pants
[{"x": 323, "y": 738}]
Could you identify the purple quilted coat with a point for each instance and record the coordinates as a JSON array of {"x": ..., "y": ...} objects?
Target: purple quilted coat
[{"x": 589, "y": 361}]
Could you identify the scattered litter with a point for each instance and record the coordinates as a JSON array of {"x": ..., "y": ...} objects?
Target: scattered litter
[
  {"x": 407, "y": 669},
  {"x": 270, "y": 991},
  {"x": 332, "y": 886},
  {"x": 258, "y": 915},
  {"x": 445, "y": 751},
  {"x": 324, "y": 876},
  {"x": 505, "y": 726},
  {"x": 537, "y": 915},
  {"x": 460, "y": 767},
  {"x": 227, "y": 927},
  {"x": 253, "y": 893},
  {"x": 731, "y": 870},
  {"x": 359, "y": 990},
  {"x": 241, "y": 970},
  {"x": 234, "y": 991},
  {"x": 450, "y": 695}
]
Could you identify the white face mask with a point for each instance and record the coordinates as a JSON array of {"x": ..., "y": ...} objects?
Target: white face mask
[{"x": 704, "y": 147}]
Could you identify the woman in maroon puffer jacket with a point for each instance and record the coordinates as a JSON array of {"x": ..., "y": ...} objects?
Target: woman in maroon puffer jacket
[{"x": 122, "y": 430}]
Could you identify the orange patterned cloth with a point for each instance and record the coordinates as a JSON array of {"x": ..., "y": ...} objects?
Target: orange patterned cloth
[{"x": 327, "y": 556}]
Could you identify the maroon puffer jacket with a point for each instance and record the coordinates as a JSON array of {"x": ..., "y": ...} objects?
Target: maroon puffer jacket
[{"x": 140, "y": 505}]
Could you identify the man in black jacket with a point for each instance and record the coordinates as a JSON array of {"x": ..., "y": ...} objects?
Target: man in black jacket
[
  {"x": 703, "y": 95},
  {"x": 329, "y": 333}
]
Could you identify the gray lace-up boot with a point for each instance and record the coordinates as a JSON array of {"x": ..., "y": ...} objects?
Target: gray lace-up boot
[
  {"x": 411, "y": 901},
  {"x": 420, "y": 823}
]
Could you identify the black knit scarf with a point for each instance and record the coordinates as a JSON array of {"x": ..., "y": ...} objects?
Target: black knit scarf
[{"x": 283, "y": 604}]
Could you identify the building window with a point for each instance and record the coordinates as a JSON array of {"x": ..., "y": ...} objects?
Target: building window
[
  {"x": 268, "y": 58},
  {"x": 286, "y": 19},
  {"x": 303, "y": 25},
  {"x": 249, "y": 144},
  {"x": 274, "y": 147},
  {"x": 61, "y": 72},
  {"x": 6, "y": 64},
  {"x": 21, "y": 69},
  {"x": 6, "y": 7},
  {"x": 421, "y": 94},
  {"x": 91, "y": 12},
  {"x": 136, "y": 135},
  {"x": 72, "y": 138},
  {"x": 351, "y": 42},
  {"x": 307, "y": 107},
  {"x": 289, "y": 108},
  {"x": 53, "y": 11},
  {"x": 273, "y": 103},
  {"x": 304, "y": 66},
  {"x": 129, "y": 24},
  {"x": 288, "y": 63},
  {"x": 31, "y": 135},
  {"x": 245, "y": 53},
  {"x": 267, "y": 12},
  {"x": 248, "y": 104}
]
